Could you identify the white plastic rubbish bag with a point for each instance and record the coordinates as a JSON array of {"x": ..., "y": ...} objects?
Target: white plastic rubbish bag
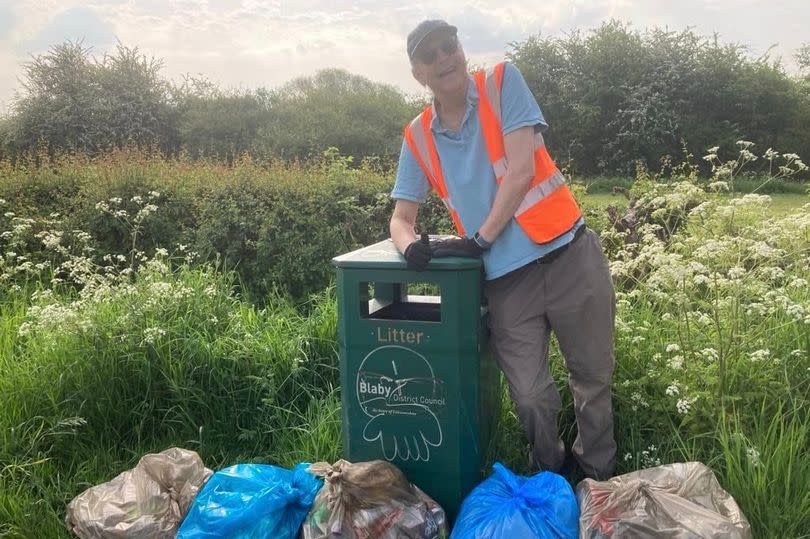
[
  {"x": 149, "y": 500},
  {"x": 674, "y": 501}
]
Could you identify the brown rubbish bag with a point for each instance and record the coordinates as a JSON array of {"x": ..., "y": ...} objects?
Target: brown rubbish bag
[
  {"x": 371, "y": 500},
  {"x": 674, "y": 501},
  {"x": 149, "y": 500}
]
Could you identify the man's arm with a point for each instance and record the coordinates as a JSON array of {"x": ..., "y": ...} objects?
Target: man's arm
[
  {"x": 519, "y": 147},
  {"x": 403, "y": 222}
]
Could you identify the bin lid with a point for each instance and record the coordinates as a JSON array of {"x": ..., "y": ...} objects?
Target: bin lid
[{"x": 384, "y": 255}]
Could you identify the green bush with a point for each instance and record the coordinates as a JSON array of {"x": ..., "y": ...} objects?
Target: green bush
[
  {"x": 614, "y": 95},
  {"x": 278, "y": 225}
]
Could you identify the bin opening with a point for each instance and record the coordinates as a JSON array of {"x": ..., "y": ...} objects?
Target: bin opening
[
  {"x": 422, "y": 312},
  {"x": 400, "y": 301}
]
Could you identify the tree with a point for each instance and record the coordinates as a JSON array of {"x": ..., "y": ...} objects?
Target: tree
[
  {"x": 74, "y": 102},
  {"x": 803, "y": 59},
  {"x": 134, "y": 101},
  {"x": 219, "y": 124},
  {"x": 616, "y": 95},
  {"x": 336, "y": 109}
]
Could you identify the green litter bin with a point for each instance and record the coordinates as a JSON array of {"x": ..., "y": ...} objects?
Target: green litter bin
[{"x": 419, "y": 387}]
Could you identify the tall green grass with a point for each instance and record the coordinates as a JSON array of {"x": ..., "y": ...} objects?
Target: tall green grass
[
  {"x": 83, "y": 400},
  {"x": 115, "y": 361},
  {"x": 171, "y": 359}
]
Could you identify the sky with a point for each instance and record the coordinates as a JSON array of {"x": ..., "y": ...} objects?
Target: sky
[{"x": 246, "y": 44}]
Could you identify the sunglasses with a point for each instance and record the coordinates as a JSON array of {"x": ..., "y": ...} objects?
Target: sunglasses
[{"x": 428, "y": 56}]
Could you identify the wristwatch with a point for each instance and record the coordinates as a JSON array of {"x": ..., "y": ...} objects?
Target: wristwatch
[{"x": 481, "y": 242}]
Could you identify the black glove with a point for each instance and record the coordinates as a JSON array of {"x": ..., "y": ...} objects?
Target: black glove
[
  {"x": 465, "y": 247},
  {"x": 418, "y": 254}
]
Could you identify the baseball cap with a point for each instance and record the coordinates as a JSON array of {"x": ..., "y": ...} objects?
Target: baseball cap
[{"x": 424, "y": 29}]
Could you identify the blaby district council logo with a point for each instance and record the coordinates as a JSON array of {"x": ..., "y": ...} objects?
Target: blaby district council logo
[{"x": 398, "y": 391}]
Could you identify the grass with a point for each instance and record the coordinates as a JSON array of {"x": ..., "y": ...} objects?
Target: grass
[
  {"x": 93, "y": 377},
  {"x": 84, "y": 396},
  {"x": 259, "y": 387},
  {"x": 781, "y": 203}
]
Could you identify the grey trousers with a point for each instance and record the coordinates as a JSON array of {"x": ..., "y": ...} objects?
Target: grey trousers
[{"x": 573, "y": 296}]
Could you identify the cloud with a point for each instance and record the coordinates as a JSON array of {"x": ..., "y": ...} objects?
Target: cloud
[
  {"x": 7, "y": 21},
  {"x": 252, "y": 43},
  {"x": 8, "y": 82},
  {"x": 75, "y": 24}
]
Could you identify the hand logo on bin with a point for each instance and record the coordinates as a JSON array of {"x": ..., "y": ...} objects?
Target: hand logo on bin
[{"x": 397, "y": 389}]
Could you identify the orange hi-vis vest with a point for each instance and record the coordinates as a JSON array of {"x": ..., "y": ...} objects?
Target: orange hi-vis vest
[{"x": 547, "y": 211}]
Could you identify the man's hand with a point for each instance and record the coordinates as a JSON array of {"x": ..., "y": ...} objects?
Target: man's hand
[
  {"x": 418, "y": 254},
  {"x": 465, "y": 247}
]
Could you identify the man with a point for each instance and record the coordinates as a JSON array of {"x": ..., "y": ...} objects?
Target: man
[{"x": 479, "y": 147}]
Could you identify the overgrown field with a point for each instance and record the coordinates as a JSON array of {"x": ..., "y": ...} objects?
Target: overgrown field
[{"x": 122, "y": 333}]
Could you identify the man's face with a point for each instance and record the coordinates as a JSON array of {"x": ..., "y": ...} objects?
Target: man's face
[{"x": 439, "y": 62}]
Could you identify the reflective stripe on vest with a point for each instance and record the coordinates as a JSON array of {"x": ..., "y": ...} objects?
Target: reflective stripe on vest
[
  {"x": 423, "y": 147},
  {"x": 548, "y": 209}
]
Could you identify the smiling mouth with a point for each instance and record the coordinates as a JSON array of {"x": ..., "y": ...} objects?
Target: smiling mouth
[{"x": 447, "y": 71}]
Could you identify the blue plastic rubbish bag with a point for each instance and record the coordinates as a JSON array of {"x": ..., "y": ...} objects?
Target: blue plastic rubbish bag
[
  {"x": 252, "y": 501},
  {"x": 509, "y": 506}
]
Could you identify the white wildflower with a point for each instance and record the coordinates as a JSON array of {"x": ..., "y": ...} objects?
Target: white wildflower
[
  {"x": 759, "y": 355},
  {"x": 704, "y": 319},
  {"x": 756, "y": 308},
  {"x": 675, "y": 363},
  {"x": 797, "y": 282},
  {"x": 753, "y": 456},
  {"x": 736, "y": 272},
  {"x": 673, "y": 348},
  {"x": 761, "y": 249},
  {"x": 160, "y": 289},
  {"x": 152, "y": 334},
  {"x": 638, "y": 399},
  {"x": 796, "y": 311},
  {"x": 772, "y": 273},
  {"x": 710, "y": 354},
  {"x": 701, "y": 279},
  {"x": 51, "y": 239},
  {"x": 684, "y": 405}
]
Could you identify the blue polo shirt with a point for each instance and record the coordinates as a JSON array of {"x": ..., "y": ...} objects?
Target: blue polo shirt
[{"x": 469, "y": 176}]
